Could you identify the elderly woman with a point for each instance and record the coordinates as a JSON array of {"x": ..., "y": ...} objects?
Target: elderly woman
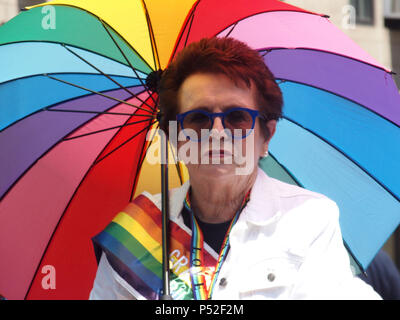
[{"x": 235, "y": 234}]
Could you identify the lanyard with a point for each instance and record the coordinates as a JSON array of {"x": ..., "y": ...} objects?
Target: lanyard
[{"x": 198, "y": 271}]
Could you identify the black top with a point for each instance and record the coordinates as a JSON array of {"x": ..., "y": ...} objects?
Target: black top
[{"x": 213, "y": 233}]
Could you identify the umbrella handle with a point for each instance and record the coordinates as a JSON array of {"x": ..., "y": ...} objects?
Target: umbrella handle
[{"x": 165, "y": 218}]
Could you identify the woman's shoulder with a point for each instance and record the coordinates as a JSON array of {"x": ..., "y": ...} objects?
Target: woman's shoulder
[
  {"x": 292, "y": 192},
  {"x": 286, "y": 190}
]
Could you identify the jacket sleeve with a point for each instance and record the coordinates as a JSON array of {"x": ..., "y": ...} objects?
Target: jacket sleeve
[
  {"x": 108, "y": 285},
  {"x": 326, "y": 272}
]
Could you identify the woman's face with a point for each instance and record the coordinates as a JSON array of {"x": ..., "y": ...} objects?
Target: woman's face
[{"x": 218, "y": 155}]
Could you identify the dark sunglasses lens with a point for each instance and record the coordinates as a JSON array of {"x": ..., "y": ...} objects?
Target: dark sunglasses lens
[
  {"x": 197, "y": 121},
  {"x": 238, "y": 121}
]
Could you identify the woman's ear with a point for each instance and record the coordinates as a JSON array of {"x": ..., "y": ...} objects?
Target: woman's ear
[{"x": 271, "y": 127}]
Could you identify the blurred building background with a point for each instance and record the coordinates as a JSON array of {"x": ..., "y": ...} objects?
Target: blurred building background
[
  {"x": 10, "y": 8},
  {"x": 372, "y": 24}
]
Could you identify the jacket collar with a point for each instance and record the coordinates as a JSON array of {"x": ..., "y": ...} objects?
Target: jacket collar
[
  {"x": 264, "y": 205},
  {"x": 262, "y": 208}
]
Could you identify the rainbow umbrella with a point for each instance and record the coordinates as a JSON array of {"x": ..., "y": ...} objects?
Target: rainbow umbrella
[{"x": 75, "y": 111}]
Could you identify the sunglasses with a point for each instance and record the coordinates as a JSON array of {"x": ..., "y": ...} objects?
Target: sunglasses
[{"x": 238, "y": 122}]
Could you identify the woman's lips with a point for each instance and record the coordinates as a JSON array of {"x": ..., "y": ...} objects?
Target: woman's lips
[{"x": 219, "y": 153}]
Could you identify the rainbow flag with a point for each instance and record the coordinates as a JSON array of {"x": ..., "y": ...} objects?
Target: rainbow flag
[{"x": 132, "y": 244}]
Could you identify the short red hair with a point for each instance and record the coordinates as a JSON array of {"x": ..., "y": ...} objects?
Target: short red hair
[{"x": 227, "y": 56}]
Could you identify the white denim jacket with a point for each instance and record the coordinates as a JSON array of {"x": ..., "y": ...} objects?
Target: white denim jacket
[{"x": 286, "y": 244}]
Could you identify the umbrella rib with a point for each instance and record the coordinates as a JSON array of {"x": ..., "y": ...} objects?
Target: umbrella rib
[
  {"x": 269, "y": 49},
  {"x": 265, "y": 53},
  {"x": 152, "y": 38},
  {"x": 62, "y": 216},
  {"x": 103, "y": 130},
  {"x": 338, "y": 95},
  {"x": 96, "y": 92},
  {"x": 45, "y": 152},
  {"x": 189, "y": 28},
  {"x": 194, "y": 7},
  {"x": 106, "y": 75},
  {"x": 98, "y": 112},
  {"x": 48, "y": 149},
  {"x": 125, "y": 142},
  {"x": 126, "y": 59},
  {"x": 230, "y": 31},
  {"x": 176, "y": 164},
  {"x": 56, "y": 104},
  {"x": 286, "y": 170},
  {"x": 346, "y": 156},
  {"x": 140, "y": 165},
  {"x": 141, "y": 160}
]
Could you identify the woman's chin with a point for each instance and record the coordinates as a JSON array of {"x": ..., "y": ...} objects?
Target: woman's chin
[
  {"x": 214, "y": 167},
  {"x": 216, "y": 170}
]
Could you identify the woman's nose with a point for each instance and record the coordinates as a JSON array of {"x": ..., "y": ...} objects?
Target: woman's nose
[
  {"x": 218, "y": 131},
  {"x": 217, "y": 124}
]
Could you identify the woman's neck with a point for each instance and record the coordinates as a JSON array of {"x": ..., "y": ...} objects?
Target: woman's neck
[{"x": 218, "y": 200}]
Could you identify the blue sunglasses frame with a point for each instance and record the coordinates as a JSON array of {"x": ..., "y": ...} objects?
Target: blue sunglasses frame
[{"x": 212, "y": 115}]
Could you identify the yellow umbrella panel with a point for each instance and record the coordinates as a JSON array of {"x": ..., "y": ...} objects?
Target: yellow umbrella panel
[{"x": 149, "y": 27}]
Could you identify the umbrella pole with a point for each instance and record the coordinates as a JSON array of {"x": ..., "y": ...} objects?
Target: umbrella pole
[{"x": 165, "y": 217}]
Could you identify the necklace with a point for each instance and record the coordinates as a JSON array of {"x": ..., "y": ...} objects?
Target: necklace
[{"x": 199, "y": 273}]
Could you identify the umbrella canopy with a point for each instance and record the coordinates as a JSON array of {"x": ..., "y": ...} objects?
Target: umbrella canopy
[
  {"x": 75, "y": 113},
  {"x": 341, "y": 126}
]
